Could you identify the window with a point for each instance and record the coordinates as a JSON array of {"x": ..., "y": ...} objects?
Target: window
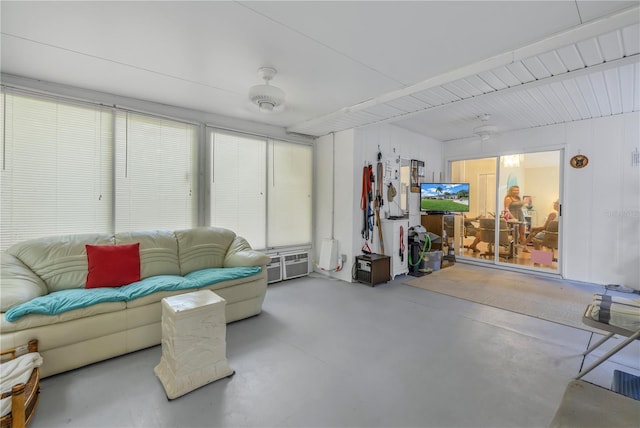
[
  {"x": 289, "y": 208},
  {"x": 56, "y": 168},
  {"x": 58, "y": 163},
  {"x": 238, "y": 189},
  {"x": 261, "y": 189},
  {"x": 156, "y": 180},
  {"x": 71, "y": 167}
]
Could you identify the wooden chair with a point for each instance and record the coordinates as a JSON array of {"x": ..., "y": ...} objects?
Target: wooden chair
[{"x": 24, "y": 397}]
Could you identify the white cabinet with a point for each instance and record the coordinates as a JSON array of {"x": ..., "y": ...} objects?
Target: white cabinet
[{"x": 391, "y": 232}]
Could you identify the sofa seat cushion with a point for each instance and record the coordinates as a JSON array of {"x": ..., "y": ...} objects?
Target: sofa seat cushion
[
  {"x": 218, "y": 277},
  {"x": 62, "y": 301},
  {"x": 37, "y": 320},
  {"x": 67, "y": 300},
  {"x": 204, "y": 277}
]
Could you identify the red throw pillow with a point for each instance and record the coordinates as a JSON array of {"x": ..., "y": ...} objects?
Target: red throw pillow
[{"x": 113, "y": 265}]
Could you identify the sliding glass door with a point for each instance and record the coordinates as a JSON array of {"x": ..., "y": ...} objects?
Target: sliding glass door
[{"x": 514, "y": 210}]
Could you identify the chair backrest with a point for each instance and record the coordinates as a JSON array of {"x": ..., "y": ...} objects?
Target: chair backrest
[
  {"x": 550, "y": 239},
  {"x": 487, "y": 231},
  {"x": 552, "y": 226}
]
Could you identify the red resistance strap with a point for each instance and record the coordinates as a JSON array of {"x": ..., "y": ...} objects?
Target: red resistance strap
[
  {"x": 365, "y": 200},
  {"x": 365, "y": 182},
  {"x": 366, "y": 187}
]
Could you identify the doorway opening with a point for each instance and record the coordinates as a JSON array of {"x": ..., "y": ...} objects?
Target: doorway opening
[{"x": 514, "y": 213}]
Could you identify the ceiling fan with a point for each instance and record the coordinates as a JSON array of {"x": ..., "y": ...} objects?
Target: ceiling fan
[
  {"x": 268, "y": 98},
  {"x": 487, "y": 129}
]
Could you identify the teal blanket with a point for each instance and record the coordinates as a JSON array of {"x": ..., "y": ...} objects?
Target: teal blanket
[{"x": 67, "y": 300}]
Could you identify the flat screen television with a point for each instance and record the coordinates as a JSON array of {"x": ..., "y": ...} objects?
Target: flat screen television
[{"x": 444, "y": 197}]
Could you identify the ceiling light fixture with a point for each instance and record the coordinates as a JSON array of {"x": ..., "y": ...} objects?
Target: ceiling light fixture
[
  {"x": 268, "y": 98},
  {"x": 486, "y": 130},
  {"x": 512, "y": 161}
]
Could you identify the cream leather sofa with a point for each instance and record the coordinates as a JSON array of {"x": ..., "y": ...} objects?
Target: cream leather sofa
[{"x": 49, "y": 267}]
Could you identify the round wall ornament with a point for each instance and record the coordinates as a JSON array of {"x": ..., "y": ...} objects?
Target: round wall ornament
[{"x": 579, "y": 161}]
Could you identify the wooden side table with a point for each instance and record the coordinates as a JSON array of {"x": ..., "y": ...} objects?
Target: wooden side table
[
  {"x": 372, "y": 269},
  {"x": 193, "y": 342}
]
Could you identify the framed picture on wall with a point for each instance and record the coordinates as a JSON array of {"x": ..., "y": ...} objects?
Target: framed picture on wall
[{"x": 417, "y": 175}]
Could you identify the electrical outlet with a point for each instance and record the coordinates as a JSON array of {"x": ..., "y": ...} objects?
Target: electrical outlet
[{"x": 343, "y": 257}]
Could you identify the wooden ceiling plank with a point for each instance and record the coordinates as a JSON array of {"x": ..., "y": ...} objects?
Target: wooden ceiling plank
[
  {"x": 549, "y": 99},
  {"x": 636, "y": 88},
  {"x": 519, "y": 114},
  {"x": 571, "y": 57},
  {"x": 431, "y": 98},
  {"x": 462, "y": 89},
  {"x": 520, "y": 72},
  {"x": 409, "y": 104},
  {"x": 612, "y": 79},
  {"x": 492, "y": 80},
  {"x": 536, "y": 67},
  {"x": 383, "y": 110},
  {"x": 590, "y": 52},
  {"x": 446, "y": 95},
  {"x": 600, "y": 89},
  {"x": 576, "y": 96},
  {"x": 539, "y": 115},
  {"x": 566, "y": 100},
  {"x": 611, "y": 45},
  {"x": 480, "y": 85},
  {"x": 543, "y": 104},
  {"x": 553, "y": 63},
  {"x": 584, "y": 83},
  {"x": 504, "y": 74},
  {"x": 631, "y": 39},
  {"x": 626, "y": 81}
]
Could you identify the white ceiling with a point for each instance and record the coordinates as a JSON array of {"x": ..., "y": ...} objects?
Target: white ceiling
[{"x": 429, "y": 66}]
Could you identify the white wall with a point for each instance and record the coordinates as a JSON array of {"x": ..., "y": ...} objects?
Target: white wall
[
  {"x": 600, "y": 203},
  {"x": 335, "y": 179},
  {"x": 353, "y": 150}
]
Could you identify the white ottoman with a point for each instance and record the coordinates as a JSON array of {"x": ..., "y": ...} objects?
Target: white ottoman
[{"x": 193, "y": 342}]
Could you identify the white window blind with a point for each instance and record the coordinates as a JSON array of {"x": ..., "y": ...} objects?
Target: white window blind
[
  {"x": 56, "y": 168},
  {"x": 238, "y": 194},
  {"x": 156, "y": 179},
  {"x": 289, "y": 190}
]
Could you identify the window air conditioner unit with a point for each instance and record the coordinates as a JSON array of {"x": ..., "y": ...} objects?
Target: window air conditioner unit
[
  {"x": 295, "y": 265},
  {"x": 274, "y": 269}
]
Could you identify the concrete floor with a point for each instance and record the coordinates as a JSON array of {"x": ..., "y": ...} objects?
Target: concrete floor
[{"x": 327, "y": 353}]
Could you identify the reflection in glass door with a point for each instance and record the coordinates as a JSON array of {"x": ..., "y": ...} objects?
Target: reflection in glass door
[
  {"x": 515, "y": 219},
  {"x": 486, "y": 193}
]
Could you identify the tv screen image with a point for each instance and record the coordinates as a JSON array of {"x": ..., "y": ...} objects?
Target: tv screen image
[{"x": 444, "y": 197}]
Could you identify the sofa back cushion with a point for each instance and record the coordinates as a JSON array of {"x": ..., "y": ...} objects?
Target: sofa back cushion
[
  {"x": 60, "y": 261},
  {"x": 18, "y": 283},
  {"x": 203, "y": 247},
  {"x": 158, "y": 251}
]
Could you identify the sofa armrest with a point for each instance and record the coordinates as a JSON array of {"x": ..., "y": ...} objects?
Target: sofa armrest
[
  {"x": 240, "y": 254},
  {"x": 18, "y": 283}
]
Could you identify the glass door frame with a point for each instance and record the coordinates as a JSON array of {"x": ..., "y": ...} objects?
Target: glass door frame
[{"x": 501, "y": 183}]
